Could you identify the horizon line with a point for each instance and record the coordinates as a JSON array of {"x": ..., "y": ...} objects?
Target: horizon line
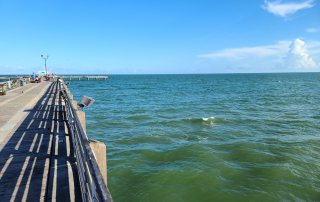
[{"x": 170, "y": 73}]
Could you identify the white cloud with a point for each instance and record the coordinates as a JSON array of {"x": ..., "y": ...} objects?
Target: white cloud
[
  {"x": 284, "y": 9},
  {"x": 312, "y": 30},
  {"x": 298, "y": 57},
  {"x": 244, "y": 52},
  {"x": 283, "y": 55}
]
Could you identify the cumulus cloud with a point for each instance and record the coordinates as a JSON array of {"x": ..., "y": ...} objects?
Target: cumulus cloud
[
  {"x": 298, "y": 56},
  {"x": 284, "y": 9},
  {"x": 286, "y": 55}
]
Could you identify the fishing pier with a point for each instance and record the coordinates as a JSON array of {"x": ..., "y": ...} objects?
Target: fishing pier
[{"x": 45, "y": 154}]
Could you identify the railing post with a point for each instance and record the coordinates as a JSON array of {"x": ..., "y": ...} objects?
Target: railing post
[
  {"x": 100, "y": 153},
  {"x": 82, "y": 117}
]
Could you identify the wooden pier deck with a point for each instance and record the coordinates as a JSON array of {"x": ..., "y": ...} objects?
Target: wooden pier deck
[{"x": 37, "y": 161}]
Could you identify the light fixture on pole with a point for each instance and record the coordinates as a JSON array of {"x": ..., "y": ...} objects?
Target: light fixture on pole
[
  {"x": 45, "y": 57},
  {"x": 86, "y": 102}
]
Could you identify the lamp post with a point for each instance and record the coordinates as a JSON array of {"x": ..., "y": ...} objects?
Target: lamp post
[{"x": 45, "y": 57}]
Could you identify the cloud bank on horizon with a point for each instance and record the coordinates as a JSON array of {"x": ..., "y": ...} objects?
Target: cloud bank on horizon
[
  {"x": 282, "y": 9},
  {"x": 289, "y": 55}
]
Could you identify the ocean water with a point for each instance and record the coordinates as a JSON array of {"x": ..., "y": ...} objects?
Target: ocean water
[
  {"x": 3, "y": 80},
  {"x": 220, "y": 137}
]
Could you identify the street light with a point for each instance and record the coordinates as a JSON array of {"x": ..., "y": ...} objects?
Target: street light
[{"x": 45, "y": 57}]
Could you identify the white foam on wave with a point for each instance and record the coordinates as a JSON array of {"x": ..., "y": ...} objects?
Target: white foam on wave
[{"x": 208, "y": 118}]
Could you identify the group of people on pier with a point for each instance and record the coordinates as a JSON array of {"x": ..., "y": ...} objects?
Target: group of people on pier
[{"x": 38, "y": 77}]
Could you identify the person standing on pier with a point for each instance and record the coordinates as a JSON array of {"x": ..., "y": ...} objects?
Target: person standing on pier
[{"x": 33, "y": 76}]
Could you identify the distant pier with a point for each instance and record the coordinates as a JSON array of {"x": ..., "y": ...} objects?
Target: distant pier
[{"x": 84, "y": 77}]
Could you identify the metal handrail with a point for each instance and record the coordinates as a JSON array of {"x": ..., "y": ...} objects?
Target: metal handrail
[{"x": 92, "y": 185}]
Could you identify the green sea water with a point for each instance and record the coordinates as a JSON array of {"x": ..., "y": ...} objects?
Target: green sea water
[{"x": 220, "y": 137}]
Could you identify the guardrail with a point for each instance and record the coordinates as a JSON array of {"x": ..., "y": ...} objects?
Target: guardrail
[
  {"x": 92, "y": 185},
  {"x": 12, "y": 84}
]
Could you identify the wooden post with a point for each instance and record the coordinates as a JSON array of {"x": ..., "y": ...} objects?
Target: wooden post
[
  {"x": 100, "y": 153},
  {"x": 82, "y": 117}
]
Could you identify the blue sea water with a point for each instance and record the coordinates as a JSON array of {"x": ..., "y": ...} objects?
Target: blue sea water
[
  {"x": 215, "y": 137},
  {"x": 3, "y": 80}
]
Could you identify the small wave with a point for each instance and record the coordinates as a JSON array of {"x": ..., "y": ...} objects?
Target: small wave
[
  {"x": 205, "y": 120},
  {"x": 201, "y": 120},
  {"x": 208, "y": 119},
  {"x": 171, "y": 121}
]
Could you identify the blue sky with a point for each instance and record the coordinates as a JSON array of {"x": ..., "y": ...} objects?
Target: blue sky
[{"x": 164, "y": 36}]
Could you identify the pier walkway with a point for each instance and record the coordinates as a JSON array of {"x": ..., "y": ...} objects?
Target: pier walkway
[
  {"x": 17, "y": 104},
  {"x": 36, "y": 158}
]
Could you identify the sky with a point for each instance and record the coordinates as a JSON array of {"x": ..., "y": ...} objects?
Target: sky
[{"x": 159, "y": 36}]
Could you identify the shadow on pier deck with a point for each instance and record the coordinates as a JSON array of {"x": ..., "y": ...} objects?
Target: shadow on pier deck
[{"x": 38, "y": 161}]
